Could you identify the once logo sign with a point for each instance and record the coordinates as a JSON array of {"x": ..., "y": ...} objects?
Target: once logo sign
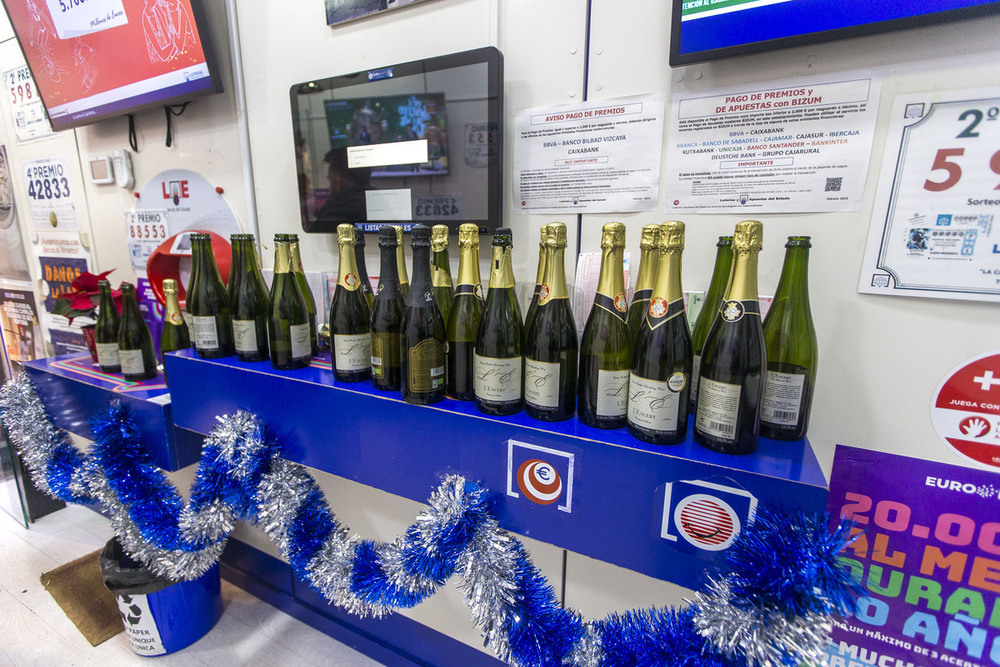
[
  {"x": 539, "y": 481},
  {"x": 540, "y": 475},
  {"x": 965, "y": 409},
  {"x": 706, "y": 522}
]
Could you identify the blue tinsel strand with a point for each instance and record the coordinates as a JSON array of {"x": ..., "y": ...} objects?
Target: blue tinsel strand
[
  {"x": 369, "y": 582},
  {"x": 66, "y": 461},
  {"x": 656, "y": 638},
  {"x": 313, "y": 523}
]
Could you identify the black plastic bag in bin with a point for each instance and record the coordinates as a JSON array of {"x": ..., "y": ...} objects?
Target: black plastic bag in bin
[{"x": 125, "y": 576}]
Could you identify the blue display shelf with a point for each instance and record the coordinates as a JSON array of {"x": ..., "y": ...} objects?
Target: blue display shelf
[{"x": 620, "y": 500}]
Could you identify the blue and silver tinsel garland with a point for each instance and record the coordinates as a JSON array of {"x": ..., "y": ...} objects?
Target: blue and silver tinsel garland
[{"x": 773, "y": 608}]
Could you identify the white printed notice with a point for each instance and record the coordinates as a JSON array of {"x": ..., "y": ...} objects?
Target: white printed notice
[
  {"x": 935, "y": 228},
  {"x": 790, "y": 147},
  {"x": 74, "y": 18},
  {"x": 593, "y": 157}
]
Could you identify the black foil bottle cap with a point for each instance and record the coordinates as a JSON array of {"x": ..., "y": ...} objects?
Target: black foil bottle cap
[
  {"x": 386, "y": 237},
  {"x": 502, "y": 236},
  {"x": 420, "y": 236}
]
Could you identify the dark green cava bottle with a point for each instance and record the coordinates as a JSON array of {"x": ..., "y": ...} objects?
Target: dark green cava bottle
[
  {"x": 135, "y": 343},
  {"x": 300, "y": 277},
  {"x": 387, "y": 318},
  {"x": 444, "y": 292},
  {"x": 175, "y": 335},
  {"x": 499, "y": 366},
  {"x": 661, "y": 366},
  {"x": 734, "y": 359},
  {"x": 550, "y": 355},
  {"x": 529, "y": 314},
  {"x": 422, "y": 329},
  {"x": 606, "y": 348},
  {"x": 249, "y": 301},
  {"x": 404, "y": 280},
  {"x": 359, "y": 256},
  {"x": 463, "y": 319},
  {"x": 106, "y": 331},
  {"x": 288, "y": 334},
  {"x": 710, "y": 307},
  {"x": 792, "y": 350},
  {"x": 350, "y": 318},
  {"x": 649, "y": 257},
  {"x": 208, "y": 304}
]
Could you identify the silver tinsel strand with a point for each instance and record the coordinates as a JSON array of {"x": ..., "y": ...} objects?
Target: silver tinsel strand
[{"x": 587, "y": 652}]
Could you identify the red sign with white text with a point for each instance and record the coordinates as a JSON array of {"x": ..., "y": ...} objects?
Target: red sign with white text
[{"x": 966, "y": 409}]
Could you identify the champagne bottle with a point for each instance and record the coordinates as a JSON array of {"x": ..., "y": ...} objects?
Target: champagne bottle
[
  {"x": 359, "y": 256},
  {"x": 423, "y": 329},
  {"x": 710, "y": 307},
  {"x": 441, "y": 269},
  {"x": 734, "y": 358},
  {"x": 387, "y": 318},
  {"x": 463, "y": 319},
  {"x": 249, "y": 301},
  {"x": 792, "y": 351},
  {"x": 649, "y": 257},
  {"x": 208, "y": 304},
  {"x": 175, "y": 335},
  {"x": 529, "y": 315},
  {"x": 661, "y": 365},
  {"x": 550, "y": 356},
  {"x": 300, "y": 277},
  {"x": 499, "y": 362},
  {"x": 106, "y": 330},
  {"x": 135, "y": 343},
  {"x": 606, "y": 348},
  {"x": 350, "y": 317},
  {"x": 404, "y": 280},
  {"x": 287, "y": 316}
]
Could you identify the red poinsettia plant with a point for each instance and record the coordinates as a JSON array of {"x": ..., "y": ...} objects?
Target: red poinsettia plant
[{"x": 83, "y": 300}]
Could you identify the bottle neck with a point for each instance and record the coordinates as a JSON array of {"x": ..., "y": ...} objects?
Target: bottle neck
[
  {"x": 468, "y": 266},
  {"x": 611, "y": 281},
  {"x": 794, "y": 274},
  {"x": 440, "y": 270},
  {"x": 282, "y": 259},
  {"x": 421, "y": 285},
  {"x": 648, "y": 267},
  {"x": 501, "y": 268},
  {"x": 238, "y": 266},
  {"x": 388, "y": 281},
  {"x": 668, "y": 277},
  {"x": 130, "y": 306},
  {"x": 347, "y": 276},
  {"x": 196, "y": 257},
  {"x": 107, "y": 301},
  {"x": 296, "y": 259},
  {"x": 542, "y": 262},
  {"x": 401, "y": 265},
  {"x": 554, "y": 281},
  {"x": 743, "y": 281},
  {"x": 173, "y": 312}
]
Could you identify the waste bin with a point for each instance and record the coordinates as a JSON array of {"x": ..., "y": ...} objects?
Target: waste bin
[{"x": 160, "y": 615}]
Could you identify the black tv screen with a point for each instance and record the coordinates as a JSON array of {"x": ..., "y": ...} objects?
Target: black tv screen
[
  {"x": 418, "y": 142},
  {"x": 703, "y": 30}
]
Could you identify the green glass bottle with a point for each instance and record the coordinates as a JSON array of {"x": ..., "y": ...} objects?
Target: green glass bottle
[
  {"x": 792, "y": 350},
  {"x": 463, "y": 319},
  {"x": 441, "y": 269},
  {"x": 208, "y": 304},
  {"x": 106, "y": 331},
  {"x": 359, "y": 258},
  {"x": 649, "y": 259},
  {"x": 422, "y": 329},
  {"x": 248, "y": 298},
  {"x": 499, "y": 363},
  {"x": 529, "y": 314},
  {"x": 710, "y": 310},
  {"x": 350, "y": 317},
  {"x": 550, "y": 356},
  {"x": 387, "y": 318},
  {"x": 288, "y": 333},
  {"x": 404, "y": 280},
  {"x": 300, "y": 277},
  {"x": 661, "y": 365},
  {"x": 734, "y": 359},
  {"x": 175, "y": 335},
  {"x": 135, "y": 343},
  {"x": 606, "y": 348}
]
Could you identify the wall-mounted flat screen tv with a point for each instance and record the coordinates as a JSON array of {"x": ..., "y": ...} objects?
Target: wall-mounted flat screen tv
[
  {"x": 703, "y": 30},
  {"x": 97, "y": 60},
  {"x": 418, "y": 142}
]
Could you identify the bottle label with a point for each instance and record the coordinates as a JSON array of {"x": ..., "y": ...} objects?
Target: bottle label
[
  {"x": 660, "y": 311},
  {"x": 541, "y": 383},
  {"x": 175, "y": 317},
  {"x": 245, "y": 335},
  {"x": 377, "y": 370},
  {"x": 107, "y": 354},
  {"x": 617, "y": 306},
  {"x": 352, "y": 352},
  {"x": 695, "y": 374},
  {"x": 612, "y": 393},
  {"x": 301, "y": 345},
  {"x": 206, "y": 336},
  {"x": 642, "y": 295},
  {"x": 132, "y": 363},
  {"x": 498, "y": 380},
  {"x": 733, "y": 311},
  {"x": 350, "y": 281},
  {"x": 654, "y": 405},
  {"x": 718, "y": 409},
  {"x": 782, "y": 398},
  {"x": 426, "y": 366}
]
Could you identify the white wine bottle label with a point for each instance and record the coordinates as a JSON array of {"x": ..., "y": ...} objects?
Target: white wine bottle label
[
  {"x": 718, "y": 408},
  {"x": 245, "y": 334},
  {"x": 426, "y": 365},
  {"x": 612, "y": 393},
  {"x": 498, "y": 380},
  {"x": 132, "y": 363},
  {"x": 352, "y": 352},
  {"x": 782, "y": 398},
  {"x": 652, "y": 404},
  {"x": 206, "y": 336},
  {"x": 541, "y": 383},
  {"x": 107, "y": 354},
  {"x": 695, "y": 374},
  {"x": 301, "y": 345}
]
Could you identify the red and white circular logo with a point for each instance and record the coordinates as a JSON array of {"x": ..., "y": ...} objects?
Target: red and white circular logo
[
  {"x": 707, "y": 522},
  {"x": 351, "y": 280},
  {"x": 543, "y": 292},
  {"x": 539, "y": 481},
  {"x": 657, "y": 306},
  {"x": 621, "y": 303},
  {"x": 965, "y": 410}
]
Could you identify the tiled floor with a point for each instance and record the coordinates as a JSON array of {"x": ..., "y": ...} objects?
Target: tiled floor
[{"x": 35, "y": 631}]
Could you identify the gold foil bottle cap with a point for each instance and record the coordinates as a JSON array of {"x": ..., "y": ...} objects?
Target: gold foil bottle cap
[
  {"x": 749, "y": 236},
  {"x": 439, "y": 238},
  {"x": 554, "y": 235},
  {"x": 345, "y": 234},
  {"x": 613, "y": 236},
  {"x": 169, "y": 286},
  {"x": 650, "y": 237},
  {"x": 468, "y": 235},
  {"x": 671, "y": 236},
  {"x": 399, "y": 234}
]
